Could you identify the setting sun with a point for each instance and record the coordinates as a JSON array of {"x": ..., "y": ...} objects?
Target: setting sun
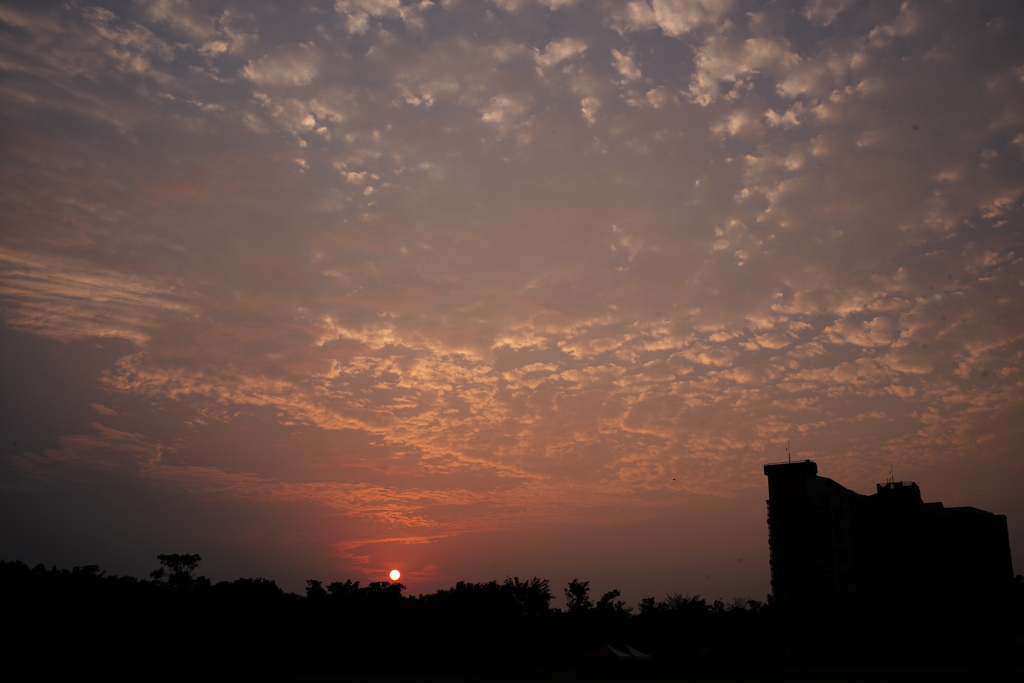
[{"x": 395, "y": 575}]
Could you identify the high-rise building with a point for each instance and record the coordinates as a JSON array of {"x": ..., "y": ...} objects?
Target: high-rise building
[{"x": 826, "y": 540}]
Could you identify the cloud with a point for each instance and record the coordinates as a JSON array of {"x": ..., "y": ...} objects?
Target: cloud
[
  {"x": 67, "y": 299},
  {"x": 557, "y": 4},
  {"x": 875, "y": 332},
  {"x": 288, "y": 65},
  {"x": 727, "y": 59},
  {"x": 824, "y": 11},
  {"x": 503, "y": 112},
  {"x": 904, "y": 24},
  {"x": 359, "y": 12},
  {"x": 183, "y": 16},
  {"x": 674, "y": 17},
  {"x": 625, "y": 64},
  {"x": 558, "y": 51}
]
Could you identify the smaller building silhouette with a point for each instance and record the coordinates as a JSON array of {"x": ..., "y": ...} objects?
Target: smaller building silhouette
[{"x": 826, "y": 540}]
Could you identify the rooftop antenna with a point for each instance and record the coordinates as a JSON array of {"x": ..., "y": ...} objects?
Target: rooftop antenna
[
  {"x": 789, "y": 455},
  {"x": 892, "y": 479}
]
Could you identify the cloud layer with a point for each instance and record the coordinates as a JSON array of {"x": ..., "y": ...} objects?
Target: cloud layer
[{"x": 522, "y": 263}]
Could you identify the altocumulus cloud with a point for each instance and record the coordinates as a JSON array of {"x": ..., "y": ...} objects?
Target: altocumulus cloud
[{"x": 498, "y": 264}]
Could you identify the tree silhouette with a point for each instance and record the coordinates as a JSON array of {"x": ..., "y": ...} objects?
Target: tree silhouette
[
  {"x": 176, "y": 569},
  {"x": 315, "y": 589},
  {"x": 610, "y": 604},
  {"x": 532, "y": 597},
  {"x": 577, "y": 596}
]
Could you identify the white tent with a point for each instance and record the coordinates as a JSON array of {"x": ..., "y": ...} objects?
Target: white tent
[
  {"x": 607, "y": 653},
  {"x": 637, "y": 655}
]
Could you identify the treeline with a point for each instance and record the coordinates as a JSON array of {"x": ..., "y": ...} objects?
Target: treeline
[{"x": 85, "y": 620}]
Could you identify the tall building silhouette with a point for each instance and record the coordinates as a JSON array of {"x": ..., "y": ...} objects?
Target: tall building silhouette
[{"x": 826, "y": 540}]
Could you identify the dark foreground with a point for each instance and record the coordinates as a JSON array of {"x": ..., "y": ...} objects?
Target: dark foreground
[
  {"x": 813, "y": 675},
  {"x": 63, "y": 623}
]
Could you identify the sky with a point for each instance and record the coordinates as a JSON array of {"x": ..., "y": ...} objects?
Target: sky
[{"x": 490, "y": 288}]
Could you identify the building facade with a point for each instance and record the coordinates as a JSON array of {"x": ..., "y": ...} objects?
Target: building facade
[{"x": 826, "y": 540}]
